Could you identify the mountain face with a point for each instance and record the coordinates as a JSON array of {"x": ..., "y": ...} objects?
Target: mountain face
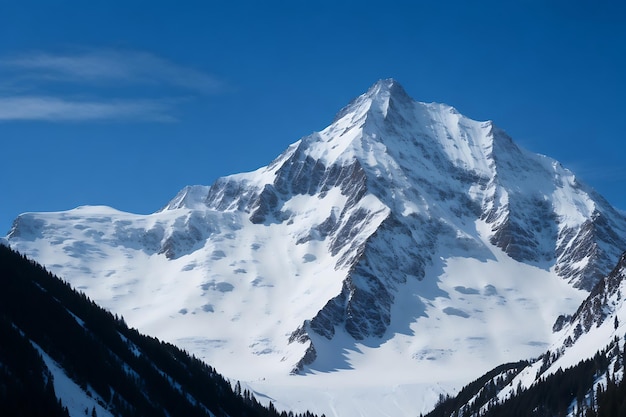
[
  {"x": 404, "y": 233},
  {"x": 582, "y": 372},
  {"x": 61, "y": 355}
]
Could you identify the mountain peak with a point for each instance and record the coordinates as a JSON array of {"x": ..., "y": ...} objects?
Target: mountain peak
[
  {"x": 378, "y": 98},
  {"x": 191, "y": 197},
  {"x": 386, "y": 88}
]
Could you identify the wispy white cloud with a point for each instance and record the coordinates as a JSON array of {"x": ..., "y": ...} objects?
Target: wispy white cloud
[
  {"x": 99, "y": 66},
  {"x": 58, "y": 109},
  {"x": 48, "y": 79}
]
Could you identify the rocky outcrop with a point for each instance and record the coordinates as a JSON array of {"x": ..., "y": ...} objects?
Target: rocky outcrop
[{"x": 603, "y": 301}]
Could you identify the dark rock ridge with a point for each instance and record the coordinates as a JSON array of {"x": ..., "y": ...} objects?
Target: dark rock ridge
[{"x": 603, "y": 301}]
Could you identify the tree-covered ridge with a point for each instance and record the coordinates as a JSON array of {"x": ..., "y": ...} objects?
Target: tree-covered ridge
[
  {"x": 131, "y": 374},
  {"x": 477, "y": 393},
  {"x": 593, "y": 388}
]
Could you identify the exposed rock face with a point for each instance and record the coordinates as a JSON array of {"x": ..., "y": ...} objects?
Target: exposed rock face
[
  {"x": 587, "y": 252},
  {"x": 604, "y": 301}
]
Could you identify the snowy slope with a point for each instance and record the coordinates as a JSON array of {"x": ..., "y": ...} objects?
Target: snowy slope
[
  {"x": 403, "y": 241},
  {"x": 599, "y": 320},
  {"x": 592, "y": 339},
  {"x": 70, "y": 393}
]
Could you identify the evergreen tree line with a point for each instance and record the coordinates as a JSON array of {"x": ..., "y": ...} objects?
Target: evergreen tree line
[
  {"x": 483, "y": 388},
  {"x": 25, "y": 383},
  {"x": 131, "y": 374}
]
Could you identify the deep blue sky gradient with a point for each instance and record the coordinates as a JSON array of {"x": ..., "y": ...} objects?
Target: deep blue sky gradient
[{"x": 217, "y": 88}]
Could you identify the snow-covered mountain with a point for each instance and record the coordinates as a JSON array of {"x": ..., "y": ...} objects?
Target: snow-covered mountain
[{"x": 395, "y": 255}]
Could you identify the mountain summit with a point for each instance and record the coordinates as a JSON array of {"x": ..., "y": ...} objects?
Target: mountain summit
[{"x": 404, "y": 234}]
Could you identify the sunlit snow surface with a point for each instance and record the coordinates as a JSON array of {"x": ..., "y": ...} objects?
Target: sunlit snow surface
[{"x": 412, "y": 193}]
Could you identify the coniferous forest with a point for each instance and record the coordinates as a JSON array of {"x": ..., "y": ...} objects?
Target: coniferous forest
[
  {"x": 593, "y": 388},
  {"x": 129, "y": 374}
]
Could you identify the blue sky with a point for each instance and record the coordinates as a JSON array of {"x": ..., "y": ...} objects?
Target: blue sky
[{"x": 123, "y": 103}]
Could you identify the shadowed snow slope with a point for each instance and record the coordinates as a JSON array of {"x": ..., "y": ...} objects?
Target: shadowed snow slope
[{"x": 398, "y": 253}]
